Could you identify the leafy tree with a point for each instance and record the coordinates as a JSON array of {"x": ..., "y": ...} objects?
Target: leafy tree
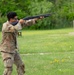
[
  {"x": 63, "y": 11},
  {"x": 41, "y": 7}
]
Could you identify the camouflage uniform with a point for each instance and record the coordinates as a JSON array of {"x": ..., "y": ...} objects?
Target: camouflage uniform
[{"x": 9, "y": 48}]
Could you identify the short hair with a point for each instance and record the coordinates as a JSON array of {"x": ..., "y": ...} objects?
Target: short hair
[{"x": 11, "y": 15}]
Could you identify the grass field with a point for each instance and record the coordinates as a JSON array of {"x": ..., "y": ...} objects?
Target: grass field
[{"x": 46, "y": 52}]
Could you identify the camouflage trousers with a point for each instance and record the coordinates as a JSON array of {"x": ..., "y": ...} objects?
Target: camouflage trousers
[{"x": 12, "y": 58}]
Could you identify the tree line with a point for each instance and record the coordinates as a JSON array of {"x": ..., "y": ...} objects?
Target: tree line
[{"x": 62, "y": 12}]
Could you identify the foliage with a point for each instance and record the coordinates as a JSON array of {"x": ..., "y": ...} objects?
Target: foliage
[{"x": 62, "y": 11}]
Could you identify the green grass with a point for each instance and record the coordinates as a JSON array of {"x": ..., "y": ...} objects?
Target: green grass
[
  {"x": 46, "y": 41},
  {"x": 46, "y": 52}
]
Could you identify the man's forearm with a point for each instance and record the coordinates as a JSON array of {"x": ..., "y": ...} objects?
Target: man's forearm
[{"x": 29, "y": 22}]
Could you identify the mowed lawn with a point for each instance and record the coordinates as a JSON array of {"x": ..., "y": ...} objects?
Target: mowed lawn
[{"x": 46, "y": 52}]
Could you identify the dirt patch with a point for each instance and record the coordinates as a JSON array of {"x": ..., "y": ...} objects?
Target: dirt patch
[{"x": 71, "y": 33}]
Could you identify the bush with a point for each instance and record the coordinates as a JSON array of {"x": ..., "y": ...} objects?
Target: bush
[{"x": 2, "y": 20}]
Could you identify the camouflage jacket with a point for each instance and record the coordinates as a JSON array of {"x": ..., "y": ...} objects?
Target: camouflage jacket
[{"x": 9, "y": 36}]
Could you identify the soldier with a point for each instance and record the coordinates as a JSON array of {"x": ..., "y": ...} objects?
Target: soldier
[{"x": 8, "y": 47}]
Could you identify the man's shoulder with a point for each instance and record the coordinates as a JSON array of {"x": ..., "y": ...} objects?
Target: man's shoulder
[{"x": 5, "y": 23}]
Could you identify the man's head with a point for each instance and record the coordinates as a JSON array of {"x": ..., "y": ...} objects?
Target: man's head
[{"x": 12, "y": 16}]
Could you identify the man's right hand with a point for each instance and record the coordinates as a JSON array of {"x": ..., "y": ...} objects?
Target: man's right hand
[{"x": 21, "y": 21}]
